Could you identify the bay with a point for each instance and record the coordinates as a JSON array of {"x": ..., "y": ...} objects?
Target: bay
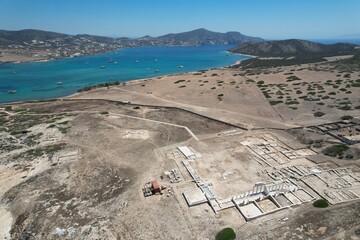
[{"x": 58, "y": 78}]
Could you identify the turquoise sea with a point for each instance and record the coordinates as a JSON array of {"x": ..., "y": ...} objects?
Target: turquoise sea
[{"x": 39, "y": 80}]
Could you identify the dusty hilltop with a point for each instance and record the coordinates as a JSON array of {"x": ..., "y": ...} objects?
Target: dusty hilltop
[{"x": 184, "y": 156}]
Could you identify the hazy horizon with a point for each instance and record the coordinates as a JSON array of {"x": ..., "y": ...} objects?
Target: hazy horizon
[{"x": 278, "y": 19}]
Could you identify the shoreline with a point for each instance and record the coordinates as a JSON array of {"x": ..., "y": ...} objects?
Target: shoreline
[
  {"x": 239, "y": 61},
  {"x": 131, "y": 81},
  {"x": 55, "y": 59},
  {"x": 85, "y": 55},
  {"x": 247, "y": 55}
]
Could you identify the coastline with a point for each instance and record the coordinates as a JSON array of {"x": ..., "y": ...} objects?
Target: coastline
[
  {"x": 247, "y": 55},
  {"x": 136, "y": 81},
  {"x": 123, "y": 82},
  {"x": 105, "y": 52},
  {"x": 128, "y": 82},
  {"x": 54, "y": 59},
  {"x": 239, "y": 61}
]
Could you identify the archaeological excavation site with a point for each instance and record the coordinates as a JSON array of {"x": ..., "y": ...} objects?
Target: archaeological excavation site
[{"x": 140, "y": 161}]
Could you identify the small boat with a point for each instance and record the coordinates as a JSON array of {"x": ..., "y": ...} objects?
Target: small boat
[
  {"x": 157, "y": 70},
  {"x": 59, "y": 83},
  {"x": 136, "y": 61},
  {"x": 11, "y": 91},
  {"x": 114, "y": 62},
  {"x": 180, "y": 67},
  {"x": 155, "y": 60},
  {"x": 102, "y": 67}
]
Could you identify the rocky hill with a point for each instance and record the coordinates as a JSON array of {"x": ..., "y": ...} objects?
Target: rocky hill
[
  {"x": 191, "y": 38},
  {"x": 293, "y": 47},
  {"x": 204, "y": 37},
  {"x": 27, "y": 35}
]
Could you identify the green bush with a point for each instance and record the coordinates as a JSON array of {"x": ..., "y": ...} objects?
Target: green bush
[
  {"x": 275, "y": 102},
  {"x": 179, "y": 81},
  {"x": 335, "y": 150},
  {"x": 321, "y": 203},
  {"x": 319, "y": 114},
  {"x": 292, "y": 78},
  {"x": 291, "y": 102},
  {"x": 226, "y": 234},
  {"x": 266, "y": 94},
  {"x": 345, "y": 108},
  {"x": 17, "y": 132},
  {"x": 346, "y": 117},
  {"x": 250, "y": 81}
]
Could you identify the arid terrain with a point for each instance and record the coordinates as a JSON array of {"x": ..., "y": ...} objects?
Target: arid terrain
[{"x": 265, "y": 144}]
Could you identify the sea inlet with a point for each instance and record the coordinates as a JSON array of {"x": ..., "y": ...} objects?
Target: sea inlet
[{"x": 58, "y": 78}]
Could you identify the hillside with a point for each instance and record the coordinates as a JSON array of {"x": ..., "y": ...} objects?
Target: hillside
[
  {"x": 27, "y": 35},
  {"x": 191, "y": 38},
  {"x": 205, "y": 37},
  {"x": 293, "y": 47},
  {"x": 196, "y": 37},
  {"x": 36, "y": 45}
]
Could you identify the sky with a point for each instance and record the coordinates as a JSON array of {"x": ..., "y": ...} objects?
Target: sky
[{"x": 269, "y": 19}]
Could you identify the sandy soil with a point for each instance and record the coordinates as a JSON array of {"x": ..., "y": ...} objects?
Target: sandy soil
[
  {"x": 216, "y": 93},
  {"x": 228, "y": 95}
]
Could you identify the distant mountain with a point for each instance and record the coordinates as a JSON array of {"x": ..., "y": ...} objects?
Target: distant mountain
[
  {"x": 350, "y": 36},
  {"x": 27, "y": 35},
  {"x": 196, "y": 37},
  {"x": 205, "y": 37},
  {"x": 192, "y": 38},
  {"x": 44, "y": 45},
  {"x": 293, "y": 47}
]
